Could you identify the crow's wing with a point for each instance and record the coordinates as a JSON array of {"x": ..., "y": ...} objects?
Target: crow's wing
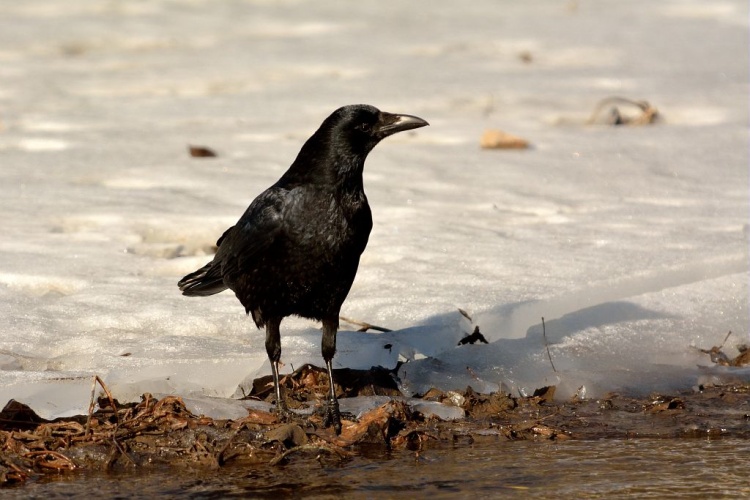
[
  {"x": 256, "y": 231},
  {"x": 239, "y": 246}
]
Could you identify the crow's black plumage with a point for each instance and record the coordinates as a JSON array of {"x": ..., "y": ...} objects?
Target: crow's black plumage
[{"x": 296, "y": 249}]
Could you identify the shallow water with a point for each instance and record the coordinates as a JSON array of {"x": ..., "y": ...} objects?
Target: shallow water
[{"x": 611, "y": 468}]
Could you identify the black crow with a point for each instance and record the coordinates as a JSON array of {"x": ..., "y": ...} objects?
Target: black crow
[{"x": 296, "y": 249}]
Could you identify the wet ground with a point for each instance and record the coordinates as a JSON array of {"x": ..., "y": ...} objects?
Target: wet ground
[
  {"x": 698, "y": 468},
  {"x": 693, "y": 443}
]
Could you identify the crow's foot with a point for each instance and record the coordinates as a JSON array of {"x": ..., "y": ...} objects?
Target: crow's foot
[
  {"x": 283, "y": 412},
  {"x": 332, "y": 416}
]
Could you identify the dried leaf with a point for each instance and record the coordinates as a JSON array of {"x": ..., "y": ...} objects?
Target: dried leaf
[
  {"x": 290, "y": 435},
  {"x": 497, "y": 139},
  {"x": 256, "y": 417},
  {"x": 201, "y": 152},
  {"x": 476, "y": 336}
]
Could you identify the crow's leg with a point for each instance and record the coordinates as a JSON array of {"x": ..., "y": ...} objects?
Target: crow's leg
[
  {"x": 332, "y": 413},
  {"x": 273, "y": 348}
]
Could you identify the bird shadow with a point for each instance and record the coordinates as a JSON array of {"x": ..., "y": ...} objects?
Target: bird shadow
[
  {"x": 598, "y": 316},
  {"x": 514, "y": 357},
  {"x": 522, "y": 321}
]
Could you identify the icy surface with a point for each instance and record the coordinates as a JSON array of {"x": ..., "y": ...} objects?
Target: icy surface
[{"x": 631, "y": 242}]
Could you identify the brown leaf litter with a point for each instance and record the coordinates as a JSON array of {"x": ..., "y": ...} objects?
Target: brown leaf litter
[
  {"x": 719, "y": 357},
  {"x": 163, "y": 432}
]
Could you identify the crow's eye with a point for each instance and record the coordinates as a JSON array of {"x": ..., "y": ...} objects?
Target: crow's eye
[{"x": 363, "y": 127}]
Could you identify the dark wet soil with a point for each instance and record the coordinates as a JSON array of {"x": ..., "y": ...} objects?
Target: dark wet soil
[{"x": 162, "y": 435}]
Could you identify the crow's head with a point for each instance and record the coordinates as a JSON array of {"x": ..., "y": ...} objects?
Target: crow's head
[
  {"x": 363, "y": 126},
  {"x": 336, "y": 152}
]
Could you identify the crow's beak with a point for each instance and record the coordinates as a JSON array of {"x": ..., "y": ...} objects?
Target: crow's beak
[{"x": 390, "y": 124}]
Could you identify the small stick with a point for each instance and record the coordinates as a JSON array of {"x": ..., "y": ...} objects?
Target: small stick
[
  {"x": 117, "y": 445},
  {"x": 63, "y": 461},
  {"x": 91, "y": 403},
  {"x": 725, "y": 339},
  {"x": 365, "y": 326},
  {"x": 110, "y": 398},
  {"x": 546, "y": 345},
  {"x": 715, "y": 349},
  {"x": 123, "y": 452},
  {"x": 91, "y": 407},
  {"x": 472, "y": 373},
  {"x": 310, "y": 447},
  {"x": 220, "y": 456}
]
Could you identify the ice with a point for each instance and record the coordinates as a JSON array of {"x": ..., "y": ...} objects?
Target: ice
[
  {"x": 631, "y": 242},
  {"x": 436, "y": 409},
  {"x": 647, "y": 343},
  {"x": 51, "y": 395},
  {"x": 221, "y": 408},
  {"x": 358, "y": 406}
]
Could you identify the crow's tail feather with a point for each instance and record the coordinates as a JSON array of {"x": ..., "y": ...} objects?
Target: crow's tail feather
[{"x": 205, "y": 281}]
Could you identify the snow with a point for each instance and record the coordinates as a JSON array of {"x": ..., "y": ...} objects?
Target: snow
[{"x": 631, "y": 242}]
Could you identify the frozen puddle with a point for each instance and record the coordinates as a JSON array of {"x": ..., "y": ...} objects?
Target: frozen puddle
[{"x": 631, "y": 242}]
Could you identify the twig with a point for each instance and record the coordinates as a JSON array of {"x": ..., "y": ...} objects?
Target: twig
[
  {"x": 472, "y": 373},
  {"x": 220, "y": 456},
  {"x": 725, "y": 339},
  {"x": 116, "y": 445},
  {"x": 123, "y": 452},
  {"x": 365, "y": 326},
  {"x": 91, "y": 406},
  {"x": 91, "y": 403},
  {"x": 334, "y": 450},
  {"x": 60, "y": 462},
  {"x": 546, "y": 345},
  {"x": 714, "y": 349}
]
